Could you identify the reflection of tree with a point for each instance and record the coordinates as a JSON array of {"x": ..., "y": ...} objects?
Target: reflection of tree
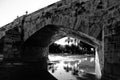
[
  {"x": 75, "y": 71},
  {"x": 73, "y": 68},
  {"x": 67, "y": 68},
  {"x": 52, "y": 68}
]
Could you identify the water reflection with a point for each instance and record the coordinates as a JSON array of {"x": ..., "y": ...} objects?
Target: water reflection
[{"x": 70, "y": 67}]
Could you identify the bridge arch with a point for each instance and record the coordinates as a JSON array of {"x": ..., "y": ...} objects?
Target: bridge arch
[
  {"x": 35, "y": 48},
  {"x": 91, "y": 15}
]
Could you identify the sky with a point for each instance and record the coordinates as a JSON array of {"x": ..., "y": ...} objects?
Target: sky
[
  {"x": 10, "y": 9},
  {"x": 63, "y": 42}
]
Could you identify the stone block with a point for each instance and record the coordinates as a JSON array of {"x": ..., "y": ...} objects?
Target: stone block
[
  {"x": 28, "y": 18},
  {"x": 116, "y": 69},
  {"x": 109, "y": 68}
]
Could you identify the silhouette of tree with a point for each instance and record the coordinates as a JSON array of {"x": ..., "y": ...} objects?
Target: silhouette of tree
[
  {"x": 81, "y": 49},
  {"x": 68, "y": 40}
]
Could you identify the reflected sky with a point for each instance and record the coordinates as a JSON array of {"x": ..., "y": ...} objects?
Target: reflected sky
[{"x": 70, "y": 67}]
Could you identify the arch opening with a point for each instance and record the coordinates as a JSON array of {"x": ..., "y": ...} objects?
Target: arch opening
[
  {"x": 72, "y": 57},
  {"x": 35, "y": 49}
]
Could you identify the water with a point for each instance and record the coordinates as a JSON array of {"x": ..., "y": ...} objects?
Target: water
[{"x": 70, "y": 67}]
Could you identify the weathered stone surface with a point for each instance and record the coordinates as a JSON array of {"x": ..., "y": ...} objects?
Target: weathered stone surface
[
  {"x": 94, "y": 21},
  {"x": 112, "y": 48},
  {"x": 1, "y": 45}
]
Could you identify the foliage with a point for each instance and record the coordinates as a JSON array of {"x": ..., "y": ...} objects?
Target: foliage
[{"x": 81, "y": 49}]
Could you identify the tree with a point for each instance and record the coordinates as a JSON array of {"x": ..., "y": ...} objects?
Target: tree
[{"x": 68, "y": 40}]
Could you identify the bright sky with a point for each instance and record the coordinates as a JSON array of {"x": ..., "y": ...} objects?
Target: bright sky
[
  {"x": 63, "y": 42},
  {"x": 10, "y": 9}
]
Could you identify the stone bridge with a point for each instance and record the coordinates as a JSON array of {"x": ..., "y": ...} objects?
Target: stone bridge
[{"x": 96, "y": 22}]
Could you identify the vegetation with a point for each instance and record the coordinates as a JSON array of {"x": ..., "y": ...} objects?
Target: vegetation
[{"x": 81, "y": 48}]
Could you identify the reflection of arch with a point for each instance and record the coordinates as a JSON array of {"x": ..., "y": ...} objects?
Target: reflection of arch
[{"x": 34, "y": 49}]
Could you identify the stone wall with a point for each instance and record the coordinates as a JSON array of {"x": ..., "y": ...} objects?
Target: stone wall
[
  {"x": 91, "y": 17},
  {"x": 112, "y": 43},
  {"x": 112, "y": 51},
  {"x": 74, "y": 14},
  {"x": 12, "y": 43},
  {"x": 1, "y": 45}
]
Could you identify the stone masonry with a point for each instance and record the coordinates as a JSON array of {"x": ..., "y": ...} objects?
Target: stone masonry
[{"x": 99, "y": 20}]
